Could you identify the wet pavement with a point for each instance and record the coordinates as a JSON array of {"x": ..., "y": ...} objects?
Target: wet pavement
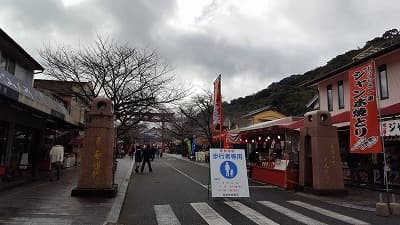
[{"x": 44, "y": 202}]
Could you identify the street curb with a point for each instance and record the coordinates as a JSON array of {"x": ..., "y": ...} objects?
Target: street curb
[{"x": 116, "y": 208}]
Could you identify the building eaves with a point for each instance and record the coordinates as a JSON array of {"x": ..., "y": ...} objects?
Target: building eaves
[
  {"x": 34, "y": 64},
  {"x": 251, "y": 113},
  {"x": 353, "y": 64}
]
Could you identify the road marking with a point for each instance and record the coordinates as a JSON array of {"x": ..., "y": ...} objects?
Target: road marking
[
  {"x": 251, "y": 214},
  {"x": 184, "y": 174},
  {"x": 267, "y": 187},
  {"x": 116, "y": 207},
  {"x": 343, "y": 204},
  {"x": 329, "y": 213},
  {"x": 290, "y": 213},
  {"x": 209, "y": 214},
  {"x": 165, "y": 215}
]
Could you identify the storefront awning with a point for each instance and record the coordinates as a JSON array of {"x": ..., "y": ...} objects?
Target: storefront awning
[
  {"x": 391, "y": 110},
  {"x": 24, "y": 93},
  {"x": 279, "y": 122}
]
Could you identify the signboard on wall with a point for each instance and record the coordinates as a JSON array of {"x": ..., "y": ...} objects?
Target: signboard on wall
[
  {"x": 364, "y": 125},
  {"x": 391, "y": 128},
  {"x": 228, "y": 173}
]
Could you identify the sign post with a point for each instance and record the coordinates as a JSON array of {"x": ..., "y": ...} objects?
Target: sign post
[{"x": 228, "y": 173}]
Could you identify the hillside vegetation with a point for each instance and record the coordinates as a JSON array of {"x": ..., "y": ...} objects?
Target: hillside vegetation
[{"x": 288, "y": 95}]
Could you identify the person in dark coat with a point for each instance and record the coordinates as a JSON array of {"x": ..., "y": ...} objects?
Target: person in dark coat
[
  {"x": 153, "y": 152},
  {"x": 147, "y": 154},
  {"x": 138, "y": 158}
]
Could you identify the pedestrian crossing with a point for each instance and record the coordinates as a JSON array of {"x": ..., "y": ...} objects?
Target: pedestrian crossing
[{"x": 166, "y": 216}]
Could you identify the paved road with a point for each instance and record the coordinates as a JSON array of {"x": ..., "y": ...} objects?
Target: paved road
[{"x": 176, "y": 193}]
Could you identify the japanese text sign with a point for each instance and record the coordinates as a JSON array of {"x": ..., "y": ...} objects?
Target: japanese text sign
[
  {"x": 364, "y": 125},
  {"x": 228, "y": 173},
  {"x": 391, "y": 128}
]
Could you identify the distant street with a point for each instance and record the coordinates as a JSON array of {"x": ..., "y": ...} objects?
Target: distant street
[{"x": 176, "y": 193}]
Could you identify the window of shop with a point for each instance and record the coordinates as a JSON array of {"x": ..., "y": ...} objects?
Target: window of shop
[
  {"x": 383, "y": 85},
  {"x": 329, "y": 97},
  {"x": 340, "y": 94},
  {"x": 22, "y": 144},
  {"x": 7, "y": 63}
]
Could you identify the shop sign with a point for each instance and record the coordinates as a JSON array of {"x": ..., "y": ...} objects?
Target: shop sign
[
  {"x": 9, "y": 92},
  {"x": 228, "y": 173},
  {"x": 390, "y": 128},
  {"x": 364, "y": 125}
]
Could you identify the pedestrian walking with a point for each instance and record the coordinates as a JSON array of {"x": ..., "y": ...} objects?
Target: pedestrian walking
[
  {"x": 131, "y": 153},
  {"x": 153, "y": 152},
  {"x": 147, "y": 154},
  {"x": 138, "y": 158},
  {"x": 56, "y": 160}
]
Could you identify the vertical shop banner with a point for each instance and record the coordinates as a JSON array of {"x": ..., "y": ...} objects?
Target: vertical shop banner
[
  {"x": 364, "y": 124},
  {"x": 217, "y": 113},
  {"x": 228, "y": 173}
]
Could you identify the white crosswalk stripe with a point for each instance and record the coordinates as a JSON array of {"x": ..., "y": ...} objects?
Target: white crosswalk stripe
[
  {"x": 251, "y": 214},
  {"x": 209, "y": 214},
  {"x": 329, "y": 213},
  {"x": 165, "y": 215},
  {"x": 292, "y": 214}
]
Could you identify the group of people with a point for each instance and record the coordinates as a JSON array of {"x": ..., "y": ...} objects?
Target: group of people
[{"x": 144, "y": 155}]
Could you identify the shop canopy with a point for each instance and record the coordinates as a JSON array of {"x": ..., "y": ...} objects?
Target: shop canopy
[
  {"x": 342, "y": 119},
  {"x": 21, "y": 92},
  {"x": 278, "y": 126}
]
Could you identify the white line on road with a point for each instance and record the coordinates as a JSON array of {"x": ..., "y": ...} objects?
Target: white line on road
[
  {"x": 339, "y": 203},
  {"x": 184, "y": 174},
  {"x": 165, "y": 215},
  {"x": 292, "y": 214},
  {"x": 251, "y": 214},
  {"x": 267, "y": 186},
  {"x": 209, "y": 214},
  {"x": 329, "y": 213}
]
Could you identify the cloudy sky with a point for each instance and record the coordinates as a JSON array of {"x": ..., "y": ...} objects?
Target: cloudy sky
[{"x": 251, "y": 43}]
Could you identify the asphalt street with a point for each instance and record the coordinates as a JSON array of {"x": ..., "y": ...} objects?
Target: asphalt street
[{"x": 176, "y": 193}]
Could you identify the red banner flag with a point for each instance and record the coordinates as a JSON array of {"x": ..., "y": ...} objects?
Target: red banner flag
[
  {"x": 217, "y": 113},
  {"x": 364, "y": 124}
]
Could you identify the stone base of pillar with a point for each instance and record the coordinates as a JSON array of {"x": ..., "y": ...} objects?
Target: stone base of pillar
[
  {"x": 323, "y": 192},
  {"x": 92, "y": 192}
]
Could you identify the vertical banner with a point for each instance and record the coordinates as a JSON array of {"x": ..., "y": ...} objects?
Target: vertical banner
[
  {"x": 364, "y": 124},
  {"x": 217, "y": 113}
]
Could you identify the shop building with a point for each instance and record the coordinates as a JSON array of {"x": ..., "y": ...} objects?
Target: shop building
[
  {"x": 271, "y": 150},
  {"x": 334, "y": 96},
  {"x": 27, "y": 116},
  {"x": 76, "y": 97}
]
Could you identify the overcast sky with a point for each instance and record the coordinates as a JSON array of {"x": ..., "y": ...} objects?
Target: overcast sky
[{"x": 251, "y": 43}]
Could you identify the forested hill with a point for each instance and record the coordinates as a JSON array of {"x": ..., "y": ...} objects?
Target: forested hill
[{"x": 288, "y": 96}]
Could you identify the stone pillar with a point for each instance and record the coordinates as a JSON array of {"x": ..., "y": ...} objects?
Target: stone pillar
[
  {"x": 97, "y": 155},
  {"x": 320, "y": 163}
]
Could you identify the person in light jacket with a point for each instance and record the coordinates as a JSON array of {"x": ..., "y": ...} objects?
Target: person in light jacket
[{"x": 56, "y": 160}]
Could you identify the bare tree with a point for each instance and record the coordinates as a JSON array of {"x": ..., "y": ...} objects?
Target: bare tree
[
  {"x": 200, "y": 111},
  {"x": 135, "y": 80}
]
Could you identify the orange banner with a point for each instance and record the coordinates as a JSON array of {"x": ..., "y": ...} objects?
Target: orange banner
[
  {"x": 217, "y": 113},
  {"x": 364, "y": 124}
]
